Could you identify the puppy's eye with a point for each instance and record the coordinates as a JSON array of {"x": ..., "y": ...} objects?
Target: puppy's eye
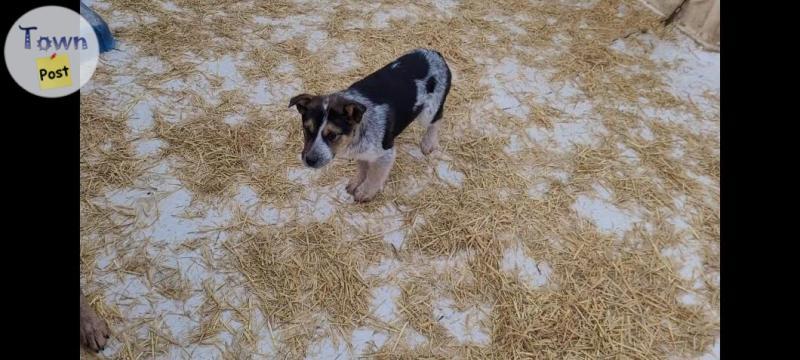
[{"x": 331, "y": 136}]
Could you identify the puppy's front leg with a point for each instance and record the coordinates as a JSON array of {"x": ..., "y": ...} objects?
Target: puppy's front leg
[
  {"x": 377, "y": 173},
  {"x": 361, "y": 174}
]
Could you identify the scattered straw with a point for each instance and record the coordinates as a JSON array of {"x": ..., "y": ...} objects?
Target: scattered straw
[{"x": 606, "y": 297}]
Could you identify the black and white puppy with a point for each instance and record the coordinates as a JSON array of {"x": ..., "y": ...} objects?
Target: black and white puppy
[{"x": 362, "y": 121}]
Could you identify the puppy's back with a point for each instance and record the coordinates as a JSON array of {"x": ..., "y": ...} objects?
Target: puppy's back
[{"x": 405, "y": 86}]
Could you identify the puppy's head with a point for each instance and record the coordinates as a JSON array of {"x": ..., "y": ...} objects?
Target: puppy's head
[{"x": 329, "y": 124}]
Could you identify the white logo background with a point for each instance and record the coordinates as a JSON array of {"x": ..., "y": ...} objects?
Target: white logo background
[{"x": 51, "y": 21}]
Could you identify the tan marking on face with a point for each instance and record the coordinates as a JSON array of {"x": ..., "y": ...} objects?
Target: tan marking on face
[
  {"x": 331, "y": 128},
  {"x": 340, "y": 143}
]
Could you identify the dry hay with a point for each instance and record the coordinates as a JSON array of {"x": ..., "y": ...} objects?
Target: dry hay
[
  {"x": 107, "y": 159},
  {"x": 107, "y": 163},
  {"x": 215, "y": 156},
  {"x": 605, "y": 297},
  {"x": 197, "y": 30},
  {"x": 416, "y": 305},
  {"x": 170, "y": 283},
  {"x": 210, "y": 316},
  {"x": 299, "y": 270},
  {"x": 154, "y": 343},
  {"x": 604, "y": 306}
]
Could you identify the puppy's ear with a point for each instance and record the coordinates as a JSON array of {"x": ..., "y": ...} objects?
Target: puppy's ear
[
  {"x": 354, "y": 111},
  {"x": 301, "y": 101}
]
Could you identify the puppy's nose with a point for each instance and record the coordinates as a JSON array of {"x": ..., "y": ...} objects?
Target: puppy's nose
[{"x": 312, "y": 161}]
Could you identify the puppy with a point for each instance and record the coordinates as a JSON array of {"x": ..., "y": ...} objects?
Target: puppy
[
  {"x": 362, "y": 121},
  {"x": 94, "y": 330}
]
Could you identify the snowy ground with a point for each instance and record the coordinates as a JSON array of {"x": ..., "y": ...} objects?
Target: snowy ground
[{"x": 180, "y": 247}]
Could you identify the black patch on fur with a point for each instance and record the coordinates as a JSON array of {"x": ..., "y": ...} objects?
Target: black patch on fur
[
  {"x": 388, "y": 138},
  {"x": 430, "y": 85},
  {"x": 340, "y": 121},
  {"x": 397, "y": 88},
  {"x": 316, "y": 115}
]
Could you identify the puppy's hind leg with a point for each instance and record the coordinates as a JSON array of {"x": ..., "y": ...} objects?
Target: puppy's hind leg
[{"x": 430, "y": 141}]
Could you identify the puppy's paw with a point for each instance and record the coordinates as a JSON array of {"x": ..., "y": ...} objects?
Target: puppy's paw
[
  {"x": 94, "y": 332},
  {"x": 427, "y": 147},
  {"x": 365, "y": 193},
  {"x": 352, "y": 185}
]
